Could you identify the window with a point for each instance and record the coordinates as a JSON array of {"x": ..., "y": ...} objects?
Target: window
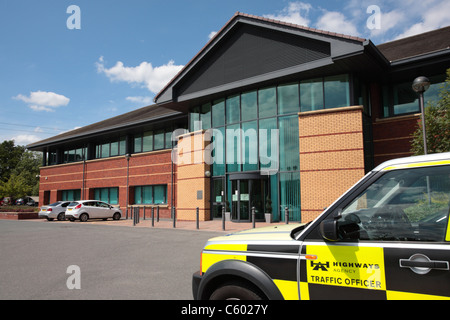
[
  {"x": 249, "y": 106},
  {"x": 233, "y": 109},
  {"x": 218, "y": 113},
  {"x": 150, "y": 194},
  {"x": 112, "y": 148},
  {"x": 71, "y": 195},
  {"x": 311, "y": 95},
  {"x": 147, "y": 141},
  {"x": 159, "y": 140},
  {"x": 409, "y": 204},
  {"x": 400, "y": 98},
  {"x": 337, "y": 91},
  {"x": 72, "y": 155},
  {"x": 109, "y": 195},
  {"x": 288, "y": 99},
  {"x": 267, "y": 101}
]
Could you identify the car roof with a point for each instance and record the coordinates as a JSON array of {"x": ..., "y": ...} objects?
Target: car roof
[{"x": 415, "y": 161}]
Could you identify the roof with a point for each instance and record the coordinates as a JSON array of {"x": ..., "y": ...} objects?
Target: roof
[
  {"x": 244, "y": 16},
  {"x": 424, "y": 43},
  {"x": 142, "y": 115},
  {"x": 415, "y": 161}
]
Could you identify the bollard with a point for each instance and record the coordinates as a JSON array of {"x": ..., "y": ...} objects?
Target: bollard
[
  {"x": 223, "y": 218},
  {"x": 157, "y": 214},
  {"x": 286, "y": 215},
  {"x": 197, "y": 219},
  {"x": 174, "y": 217},
  {"x": 253, "y": 217},
  {"x": 153, "y": 217}
]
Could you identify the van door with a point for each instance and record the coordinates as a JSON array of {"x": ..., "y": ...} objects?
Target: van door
[{"x": 392, "y": 241}]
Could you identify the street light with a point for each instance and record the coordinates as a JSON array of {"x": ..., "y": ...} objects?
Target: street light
[{"x": 420, "y": 85}]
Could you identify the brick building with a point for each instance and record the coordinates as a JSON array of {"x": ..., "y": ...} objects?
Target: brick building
[{"x": 273, "y": 116}]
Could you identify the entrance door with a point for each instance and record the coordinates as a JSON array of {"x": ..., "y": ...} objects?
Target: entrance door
[
  {"x": 217, "y": 197},
  {"x": 247, "y": 194}
]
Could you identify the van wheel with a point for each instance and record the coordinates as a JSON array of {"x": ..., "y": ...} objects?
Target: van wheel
[
  {"x": 84, "y": 217},
  {"x": 235, "y": 292},
  {"x": 116, "y": 216}
]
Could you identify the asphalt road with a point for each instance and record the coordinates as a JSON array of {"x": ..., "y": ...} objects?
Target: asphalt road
[{"x": 113, "y": 262}]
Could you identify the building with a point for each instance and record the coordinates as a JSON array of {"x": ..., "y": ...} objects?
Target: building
[{"x": 274, "y": 115}]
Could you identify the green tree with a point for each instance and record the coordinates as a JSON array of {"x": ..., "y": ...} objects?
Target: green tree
[
  {"x": 10, "y": 156},
  {"x": 19, "y": 170},
  {"x": 437, "y": 123}
]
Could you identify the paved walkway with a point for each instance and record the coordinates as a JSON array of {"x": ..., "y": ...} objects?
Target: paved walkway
[{"x": 212, "y": 225}]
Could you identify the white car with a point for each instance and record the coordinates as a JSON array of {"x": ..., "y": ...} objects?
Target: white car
[
  {"x": 92, "y": 209},
  {"x": 54, "y": 211}
]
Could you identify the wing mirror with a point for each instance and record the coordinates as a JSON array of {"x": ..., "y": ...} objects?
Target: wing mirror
[{"x": 329, "y": 227}]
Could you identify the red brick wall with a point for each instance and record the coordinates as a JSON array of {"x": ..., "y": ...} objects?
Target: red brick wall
[{"x": 150, "y": 168}]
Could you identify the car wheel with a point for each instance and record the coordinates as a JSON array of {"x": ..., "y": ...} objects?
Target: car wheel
[
  {"x": 61, "y": 217},
  {"x": 49, "y": 219},
  {"x": 84, "y": 217},
  {"x": 116, "y": 216},
  {"x": 235, "y": 292}
]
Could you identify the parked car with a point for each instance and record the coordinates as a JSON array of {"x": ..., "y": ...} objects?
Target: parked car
[
  {"x": 21, "y": 201},
  {"x": 55, "y": 210},
  {"x": 92, "y": 209}
]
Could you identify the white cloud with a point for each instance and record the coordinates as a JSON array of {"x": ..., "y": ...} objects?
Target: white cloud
[
  {"x": 153, "y": 78},
  {"x": 336, "y": 22},
  {"x": 295, "y": 12},
  {"x": 140, "y": 100},
  {"x": 434, "y": 15},
  {"x": 43, "y": 100},
  {"x": 24, "y": 139},
  {"x": 212, "y": 34}
]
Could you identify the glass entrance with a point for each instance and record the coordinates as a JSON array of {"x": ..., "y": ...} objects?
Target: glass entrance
[
  {"x": 217, "y": 197},
  {"x": 247, "y": 194}
]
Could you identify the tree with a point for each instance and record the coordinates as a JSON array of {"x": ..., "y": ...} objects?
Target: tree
[
  {"x": 437, "y": 123},
  {"x": 10, "y": 156},
  {"x": 19, "y": 169}
]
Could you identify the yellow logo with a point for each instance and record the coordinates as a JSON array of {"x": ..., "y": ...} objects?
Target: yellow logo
[{"x": 348, "y": 266}]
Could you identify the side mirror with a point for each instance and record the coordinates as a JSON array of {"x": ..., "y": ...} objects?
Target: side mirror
[{"x": 328, "y": 229}]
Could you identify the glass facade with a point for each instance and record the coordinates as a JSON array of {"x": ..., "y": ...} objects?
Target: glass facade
[
  {"x": 400, "y": 99},
  {"x": 111, "y": 148},
  {"x": 70, "y": 195},
  {"x": 257, "y": 131}
]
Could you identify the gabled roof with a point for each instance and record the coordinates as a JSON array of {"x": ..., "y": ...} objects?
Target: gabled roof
[{"x": 269, "y": 24}]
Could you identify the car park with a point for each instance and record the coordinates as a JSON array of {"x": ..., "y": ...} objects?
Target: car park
[
  {"x": 387, "y": 237},
  {"x": 92, "y": 209},
  {"x": 55, "y": 210}
]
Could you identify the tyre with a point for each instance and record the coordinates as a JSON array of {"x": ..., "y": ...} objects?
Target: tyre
[
  {"x": 116, "y": 216},
  {"x": 61, "y": 217},
  {"x": 84, "y": 217},
  {"x": 235, "y": 292},
  {"x": 49, "y": 219}
]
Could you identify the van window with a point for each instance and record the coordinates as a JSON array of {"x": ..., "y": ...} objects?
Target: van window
[{"x": 407, "y": 204}]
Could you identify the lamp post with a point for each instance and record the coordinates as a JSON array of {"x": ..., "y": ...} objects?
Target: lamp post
[{"x": 420, "y": 85}]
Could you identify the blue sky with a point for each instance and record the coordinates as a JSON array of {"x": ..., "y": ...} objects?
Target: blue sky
[{"x": 54, "y": 78}]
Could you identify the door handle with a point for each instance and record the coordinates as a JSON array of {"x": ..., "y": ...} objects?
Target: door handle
[{"x": 421, "y": 264}]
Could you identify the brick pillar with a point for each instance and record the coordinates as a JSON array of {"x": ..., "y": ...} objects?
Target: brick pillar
[
  {"x": 331, "y": 156},
  {"x": 192, "y": 186}
]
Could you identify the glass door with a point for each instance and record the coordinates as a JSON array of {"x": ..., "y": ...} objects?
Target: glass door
[
  {"x": 217, "y": 197},
  {"x": 245, "y": 195}
]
